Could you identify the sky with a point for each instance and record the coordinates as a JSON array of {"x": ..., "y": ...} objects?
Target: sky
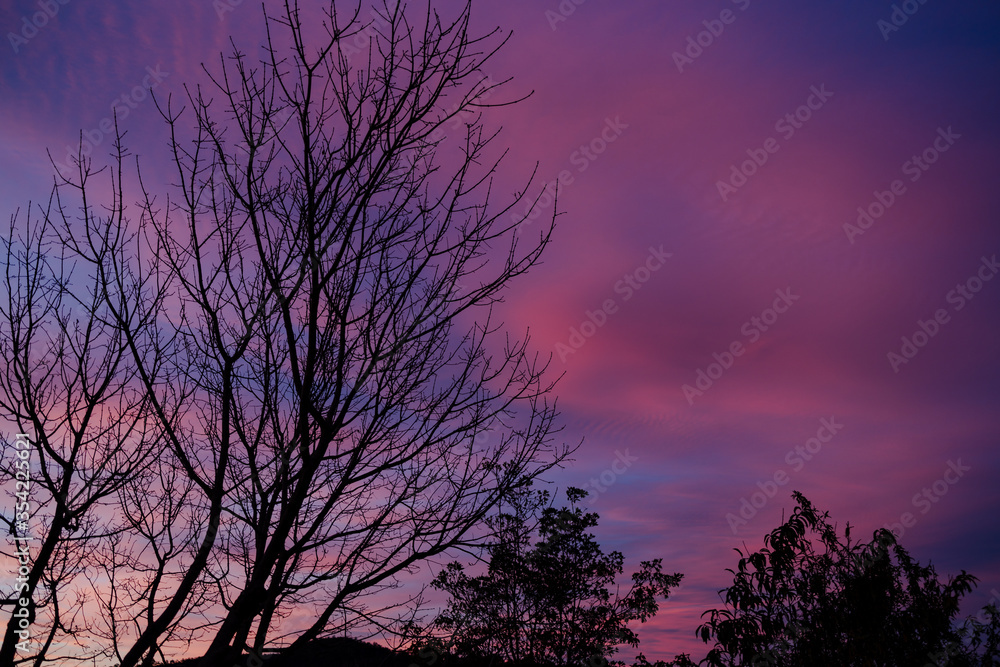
[{"x": 773, "y": 267}]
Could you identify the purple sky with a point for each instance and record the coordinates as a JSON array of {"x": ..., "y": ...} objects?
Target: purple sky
[{"x": 713, "y": 208}]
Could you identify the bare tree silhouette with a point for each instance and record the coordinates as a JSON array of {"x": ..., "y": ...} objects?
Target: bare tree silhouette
[
  {"x": 69, "y": 383},
  {"x": 295, "y": 355}
]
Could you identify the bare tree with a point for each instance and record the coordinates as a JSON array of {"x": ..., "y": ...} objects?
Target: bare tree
[
  {"x": 68, "y": 382},
  {"x": 311, "y": 328}
]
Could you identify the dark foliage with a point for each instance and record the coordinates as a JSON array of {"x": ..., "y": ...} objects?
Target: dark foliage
[
  {"x": 550, "y": 603},
  {"x": 810, "y": 597},
  {"x": 332, "y": 652}
]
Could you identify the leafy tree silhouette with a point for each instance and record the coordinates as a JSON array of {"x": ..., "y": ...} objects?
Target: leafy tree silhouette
[
  {"x": 854, "y": 603},
  {"x": 548, "y": 603}
]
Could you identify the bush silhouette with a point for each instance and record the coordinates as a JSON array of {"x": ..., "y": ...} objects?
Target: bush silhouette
[
  {"x": 547, "y": 603},
  {"x": 864, "y": 604}
]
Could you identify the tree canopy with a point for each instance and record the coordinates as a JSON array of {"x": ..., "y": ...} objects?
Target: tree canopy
[
  {"x": 549, "y": 601},
  {"x": 812, "y": 597}
]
